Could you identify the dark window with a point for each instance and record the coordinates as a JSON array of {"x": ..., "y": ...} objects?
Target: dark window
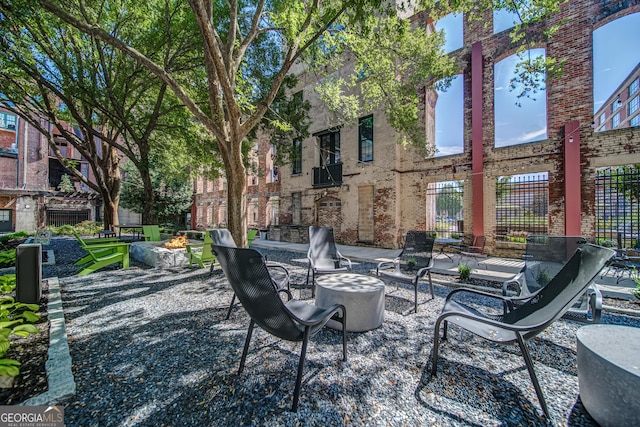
[
  {"x": 297, "y": 158},
  {"x": 365, "y": 139},
  {"x": 329, "y": 148}
]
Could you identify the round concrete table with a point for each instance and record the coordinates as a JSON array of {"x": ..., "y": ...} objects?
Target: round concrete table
[
  {"x": 363, "y": 297},
  {"x": 609, "y": 373}
]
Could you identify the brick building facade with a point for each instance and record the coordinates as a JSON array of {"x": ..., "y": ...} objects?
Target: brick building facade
[
  {"x": 29, "y": 176},
  {"x": 375, "y": 200}
]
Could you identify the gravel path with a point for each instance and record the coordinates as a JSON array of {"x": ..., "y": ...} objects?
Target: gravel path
[{"x": 151, "y": 347}]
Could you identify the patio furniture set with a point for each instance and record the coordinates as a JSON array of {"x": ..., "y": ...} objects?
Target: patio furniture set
[{"x": 555, "y": 281}]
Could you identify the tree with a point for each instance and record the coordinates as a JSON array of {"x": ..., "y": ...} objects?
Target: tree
[
  {"x": 51, "y": 70},
  {"x": 449, "y": 199},
  {"x": 172, "y": 195},
  {"x": 250, "y": 47}
]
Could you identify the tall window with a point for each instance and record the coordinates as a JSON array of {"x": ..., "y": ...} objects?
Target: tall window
[
  {"x": 449, "y": 120},
  {"x": 634, "y": 104},
  {"x": 518, "y": 120},
  {"x": 296, "y": 168},
  {"x": 329, "y": 148},
  {"x": 615, "y": 63},
  {"x": 451, "y": 24},
  {"x": 365, "y": 139}
]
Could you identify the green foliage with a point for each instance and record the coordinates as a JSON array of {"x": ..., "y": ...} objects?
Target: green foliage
[
  {"x": 543, "y": 277},
  {"x": 7, "y": 258},
  {"x": 7, "y": 283},
  {"x": 11, "y": 236},
  {"x": 449, "y": 199},
  {"x": 65, "y": 184},
  {"x": 88, "y": 227},
  {"x": 636, "y": 279},
  {"x": 433, "y": 234},
  {"x": 464, "y": 272},
  {"x": 16, "y": 319},
  {"x": 607, "y": 243},
  {"x": 172, "y": 198},
  {"x": 455, "y": 235}
]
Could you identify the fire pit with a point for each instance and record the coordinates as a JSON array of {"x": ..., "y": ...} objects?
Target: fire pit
[
  {"x": 178, "y": 242},
  {"x": 168, "y": 254}
]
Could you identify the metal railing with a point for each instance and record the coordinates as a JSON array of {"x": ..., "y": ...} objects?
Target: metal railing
[
  {"x": 618, "y": 206},
  {"x": 522, "y": 206},
  {"x": 60, "y": 217},
  {"x": 328, "y": 176},
  {"x": 445, "y": 201}
]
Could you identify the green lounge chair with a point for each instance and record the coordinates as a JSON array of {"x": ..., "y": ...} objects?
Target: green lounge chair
[
  {"x": 101, "y": 247},
  {"x": 251, "y": 236},
  {"x": 104, "y": 255},
  {"x": 151, "y": 233},
  {"x": 200, "y": 253}
]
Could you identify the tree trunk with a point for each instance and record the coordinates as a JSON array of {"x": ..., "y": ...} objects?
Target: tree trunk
[
  {"x": 237, "y": 200},
  {"x": 148, "y": 213},
  {"x": 110, "y": 214}
]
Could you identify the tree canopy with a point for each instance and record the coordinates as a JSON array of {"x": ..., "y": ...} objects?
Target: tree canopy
[{"x": 249, "y": 47}]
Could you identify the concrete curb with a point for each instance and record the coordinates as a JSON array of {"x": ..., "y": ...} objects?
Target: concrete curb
[{"x": 59, "y": 375}]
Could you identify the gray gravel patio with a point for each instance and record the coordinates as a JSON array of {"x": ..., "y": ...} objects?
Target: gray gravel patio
[{"x": 151, "y": 347}]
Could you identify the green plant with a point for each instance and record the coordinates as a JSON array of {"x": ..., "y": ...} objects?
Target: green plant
[
  {"x": 7, "y": 258},
  {"x": 88, "y": 227},
  {"x": 607, "y": 243},
  {"x": 636, "y": 279},
  {"x": 17, "y": 319},
  {"x": 433, "y": 234},
  {"x": 64, "y": 230},
  {"x": 455, "y": 235},
  {"x": 464, "y": 271},
  {"x": 7, "y": 283},
  {"x": 543, "y": 277},
  {"x": 411, "y": 263}
]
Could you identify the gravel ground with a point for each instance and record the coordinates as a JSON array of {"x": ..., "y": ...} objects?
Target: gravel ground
[{"x": 151, "y": 347}]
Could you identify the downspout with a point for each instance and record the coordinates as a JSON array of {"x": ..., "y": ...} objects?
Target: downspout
[
  {"x": 26, "y": 155},
  {"x": 17, "y": 152}
]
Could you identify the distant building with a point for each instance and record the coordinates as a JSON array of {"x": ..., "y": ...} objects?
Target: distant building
[
  {"x": 29, "y": 178},
  {"x": 622, "y": 108}
]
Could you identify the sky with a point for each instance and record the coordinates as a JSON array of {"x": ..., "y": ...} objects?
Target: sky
[{"x": 616, "y": 52}]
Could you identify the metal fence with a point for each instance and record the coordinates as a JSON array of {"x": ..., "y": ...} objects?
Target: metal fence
[
  {"x": 59, "y": 217},
  {"x": 445, "y": 201},
  {"x": 522, "y": 206},
  {"x": 618, "y": 206}
]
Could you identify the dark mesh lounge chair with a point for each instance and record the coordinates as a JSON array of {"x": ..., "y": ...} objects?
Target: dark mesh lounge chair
[
  {"x": 323, "y": 255},
  {"x": 223, "y": 237},
  {"x": 474, "y": 251},
  {"x": 522, "y": 322},
  {"x": 415, "y": 260},
  {"x": 545, "y": 256},
  {"x": 292, "y": 320}
]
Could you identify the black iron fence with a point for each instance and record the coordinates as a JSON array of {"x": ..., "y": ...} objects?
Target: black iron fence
[
  {"x": 445, "y": 201},
  {"x": 618, "y": 206},
  {"x": 60, "y": 217},
  {"x": 522, "y": 206}
]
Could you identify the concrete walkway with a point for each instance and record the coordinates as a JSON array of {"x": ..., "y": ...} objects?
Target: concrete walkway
[{"x": 491, "y": 268}]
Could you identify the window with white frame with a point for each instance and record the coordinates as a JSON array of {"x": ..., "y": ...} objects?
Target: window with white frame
[
  {"x": 603, "y": 118},
  {"x": 634, "y": 86},
  {"x": 634, "y": 104},
  {"x": 7, "y": 121},
  {"x": 635, "y": 120},
  {"x": 615, "y": 120}
]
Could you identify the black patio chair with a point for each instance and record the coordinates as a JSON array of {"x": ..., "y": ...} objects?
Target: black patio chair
[
  {"x": 415, "y": 260},
  {"x": 544, "y": 257},
  {"x": 323, "y": 255},
  {"x": 519, "y": 323},
  {"x": 292, "y": 320},
  {"x": 223, "y": 237}
]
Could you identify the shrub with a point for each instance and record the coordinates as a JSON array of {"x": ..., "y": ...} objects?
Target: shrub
[
  {"x": 543, "y": 277},
  {"x": 89, "y": 227},
  {"x": 636, "y": 279},
  {"x": 455, "y": 235},
  {"x": 464, "y": 271}
]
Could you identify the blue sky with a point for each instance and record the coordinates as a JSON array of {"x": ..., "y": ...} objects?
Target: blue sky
[{"x": 616, "y": 52}]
